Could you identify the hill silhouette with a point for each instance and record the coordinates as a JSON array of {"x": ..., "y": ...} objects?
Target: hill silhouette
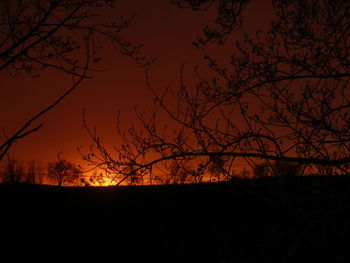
[{"x": 295, "y": 219}]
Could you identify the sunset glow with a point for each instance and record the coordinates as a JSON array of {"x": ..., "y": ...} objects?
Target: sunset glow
[
  {"x": 175, "y": 130},
  {"x": 180, "y": 92}
]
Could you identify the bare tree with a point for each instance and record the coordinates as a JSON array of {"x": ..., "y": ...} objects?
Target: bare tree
[
  {"x": 35, "y": 173},
  {"x": 62, "y": 35},
  {"x": 284, "y": 97},
  {"x": 13, "y": 171},
  {"x": 66, "y": 173},
  {"x": 261, "y": 170},
  {"x": 277, "y": 168}
]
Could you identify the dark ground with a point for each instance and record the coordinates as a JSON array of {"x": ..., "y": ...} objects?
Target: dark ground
[{"x": 299, "y": 219}]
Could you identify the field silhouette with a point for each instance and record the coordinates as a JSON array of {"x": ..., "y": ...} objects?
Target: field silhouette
[{"x": 295, "y": 219}]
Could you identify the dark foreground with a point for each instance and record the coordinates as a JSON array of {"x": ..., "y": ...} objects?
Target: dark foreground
[{"x": 272, "y": 220}]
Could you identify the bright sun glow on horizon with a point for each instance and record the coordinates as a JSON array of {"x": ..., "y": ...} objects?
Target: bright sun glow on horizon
[{"x": 98, "y": 178}]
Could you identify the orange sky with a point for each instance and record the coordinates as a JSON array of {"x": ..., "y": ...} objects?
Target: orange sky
[{"x": 166, "y": 32}]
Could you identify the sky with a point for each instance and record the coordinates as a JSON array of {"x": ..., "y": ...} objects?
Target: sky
[{"x": 166, "y": 32}]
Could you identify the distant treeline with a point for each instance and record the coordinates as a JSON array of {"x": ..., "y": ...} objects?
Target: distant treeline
[{"x": 66, "y": 173}]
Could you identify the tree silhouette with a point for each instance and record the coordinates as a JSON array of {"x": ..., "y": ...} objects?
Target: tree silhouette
[
  {"x": 13, "y": 171},
  {"x": 35, "y": 173},
  {"x": 277, "y": 168},
  {"x": 61, "y": 35},
  {"x": 64, "y": 172},
  {"x": 284, "y": 97}
]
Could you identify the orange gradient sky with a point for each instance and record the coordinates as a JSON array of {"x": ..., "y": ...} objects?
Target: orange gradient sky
[{"x": 166, "y": 33}]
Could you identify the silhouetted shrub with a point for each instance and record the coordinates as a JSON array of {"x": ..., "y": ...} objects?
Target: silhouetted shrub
[{"x": 278, "y": 168}]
